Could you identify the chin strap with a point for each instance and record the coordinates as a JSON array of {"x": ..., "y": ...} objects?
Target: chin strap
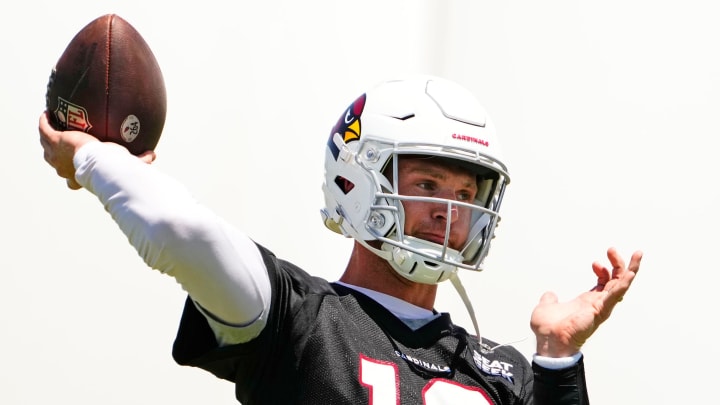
[{"x": 455, "y": 280}]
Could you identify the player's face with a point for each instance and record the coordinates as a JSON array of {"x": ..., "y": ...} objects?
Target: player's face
[{"x": 427, "y": 177}]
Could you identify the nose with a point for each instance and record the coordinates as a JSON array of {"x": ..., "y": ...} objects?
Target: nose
[{"x": 445, "y": 211}]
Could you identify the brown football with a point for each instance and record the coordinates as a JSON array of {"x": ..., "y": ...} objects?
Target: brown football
[{"x": 108, "y": 83}]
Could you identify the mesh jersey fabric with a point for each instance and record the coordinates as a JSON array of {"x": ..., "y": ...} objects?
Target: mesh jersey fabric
[{"x": 328, "y": 344}]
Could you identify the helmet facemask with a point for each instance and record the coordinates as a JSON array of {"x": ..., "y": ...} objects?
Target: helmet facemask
[{"x": 435, "y": 260}]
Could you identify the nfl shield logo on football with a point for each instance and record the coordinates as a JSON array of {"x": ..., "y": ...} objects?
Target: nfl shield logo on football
[{"x": 72, "y": 116}]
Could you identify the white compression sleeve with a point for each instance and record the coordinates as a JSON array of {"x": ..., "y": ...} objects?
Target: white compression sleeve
[{"x": 218, "y": 265}]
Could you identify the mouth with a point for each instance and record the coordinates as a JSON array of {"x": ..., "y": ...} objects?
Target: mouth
[{"x": 432, "y": 237}]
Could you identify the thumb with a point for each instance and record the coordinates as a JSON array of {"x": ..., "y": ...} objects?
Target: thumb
[{"x": 548, "y": 298}]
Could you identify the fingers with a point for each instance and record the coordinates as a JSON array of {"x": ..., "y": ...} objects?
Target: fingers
[
  {"x": 48, "y": 134},
  {"x": 44, "y": 130},
  {"x": 603, "y": 275},
  {"x": 617, "y": 281},
  {"x": 73, "y": 184},
  {"x": 148, "y": 156},
  {"x": 59, "y": 147},
  {"x": 617, "y": 262},
  {"x": 44, "y": 123},
  {"x": 635, "y": 261},
  {"x": 622, "y": 276}
]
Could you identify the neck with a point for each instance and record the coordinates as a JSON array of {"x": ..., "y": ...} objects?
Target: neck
[{"x": 366, "y": 269}]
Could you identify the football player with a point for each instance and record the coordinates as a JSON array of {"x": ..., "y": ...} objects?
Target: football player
[{"x": 413, "y": 173}]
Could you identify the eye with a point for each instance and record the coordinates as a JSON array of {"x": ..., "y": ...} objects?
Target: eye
[
  {"x": 427, "y": 188},
  {"x": 426, "y": 185},
  {"x": 465, "y": 196}
]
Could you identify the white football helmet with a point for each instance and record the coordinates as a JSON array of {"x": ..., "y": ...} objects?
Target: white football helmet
[{"x": 421, "y": 115}]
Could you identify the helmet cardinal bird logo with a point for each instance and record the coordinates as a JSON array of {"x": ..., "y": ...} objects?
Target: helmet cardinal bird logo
[{"x": 348, "y": 126}]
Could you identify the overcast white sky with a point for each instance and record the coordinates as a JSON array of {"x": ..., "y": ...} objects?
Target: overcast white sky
[{"x": 608, "y": 116}]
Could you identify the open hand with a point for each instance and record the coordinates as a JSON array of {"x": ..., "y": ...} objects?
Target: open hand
[{"x": 562, "y": 328}]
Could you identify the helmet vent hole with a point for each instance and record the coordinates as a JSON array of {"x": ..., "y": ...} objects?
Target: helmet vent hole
[
  {"x": 414, "y": 267},
  {"x": 406, "y": 117},
  {"x": 431, "y": 265},
  {"x": 345, "y": 185}
]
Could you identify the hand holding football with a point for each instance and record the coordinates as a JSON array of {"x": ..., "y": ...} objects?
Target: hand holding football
[{"x": 108, "y": 83}]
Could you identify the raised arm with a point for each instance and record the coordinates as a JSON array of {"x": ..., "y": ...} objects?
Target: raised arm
[{"x": 218, "y": 265}]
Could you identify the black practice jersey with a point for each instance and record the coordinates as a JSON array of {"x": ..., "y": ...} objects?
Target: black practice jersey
[{"x": 328, "y": 344}]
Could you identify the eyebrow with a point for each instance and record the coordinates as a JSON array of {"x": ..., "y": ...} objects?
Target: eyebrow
[{"x": 439, "y": 171}]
